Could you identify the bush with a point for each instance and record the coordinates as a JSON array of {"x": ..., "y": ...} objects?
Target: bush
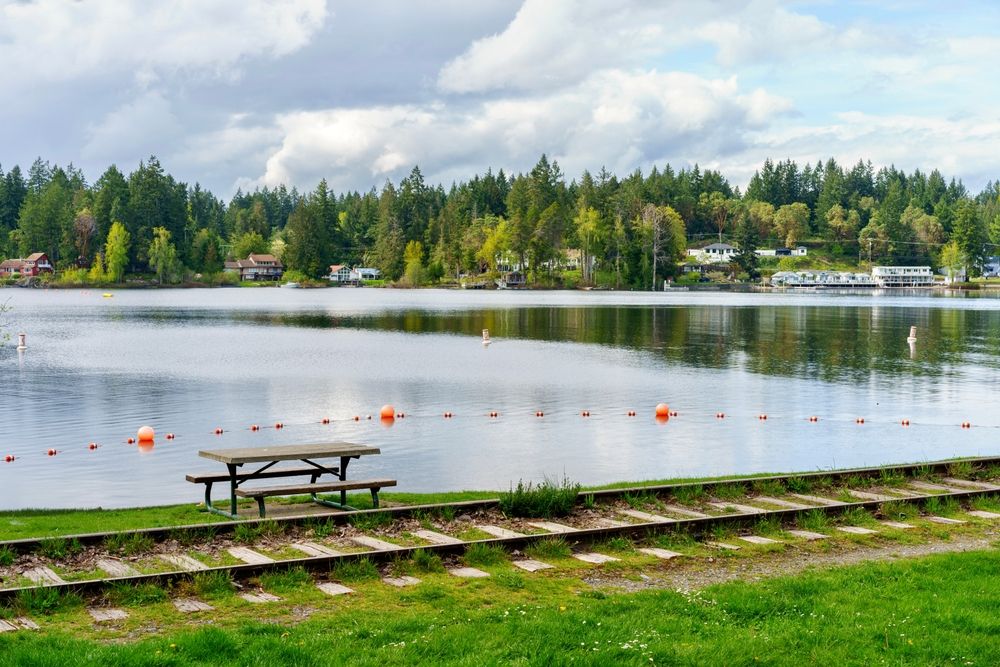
[{"x": 547, "y": 499}]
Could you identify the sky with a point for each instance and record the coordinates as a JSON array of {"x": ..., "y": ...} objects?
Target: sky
[{"x": 247, "y": 93}]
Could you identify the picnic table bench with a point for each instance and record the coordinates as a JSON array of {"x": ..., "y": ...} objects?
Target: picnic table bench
[{"x": 271, "y": 456}]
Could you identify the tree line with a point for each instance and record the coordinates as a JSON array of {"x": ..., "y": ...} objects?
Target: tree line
[{"x": 630, "y": 231}]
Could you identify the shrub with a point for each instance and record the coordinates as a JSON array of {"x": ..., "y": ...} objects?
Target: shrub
[
  {"x": 554, "y": 547},
  {"x": 548, "y": 499},
  {"x": 289, "y": 580},
  {"x": 427, "y": 561},
  {"x": 485, "y": 554},
  {"x": 7, "y": 556},
  {"x": 355, "y": 570}
]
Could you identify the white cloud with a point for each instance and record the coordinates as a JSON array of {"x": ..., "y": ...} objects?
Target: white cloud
[
  {"x": 614, "y": 118},
  {"x": 62, "y": 40},
  {"x": 140, "y": 127}
]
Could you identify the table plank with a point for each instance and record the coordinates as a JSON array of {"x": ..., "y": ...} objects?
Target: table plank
[{"x": 288, "y": 452}]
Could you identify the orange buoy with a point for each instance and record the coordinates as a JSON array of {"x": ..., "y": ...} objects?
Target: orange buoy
[
  {"x": 905, "y": 422},
  {"x": 388, "y": 412},
  {"x": 254, "y": 427},
  {"x": 218, "y": 431},
  {"x": 279, "y": 425},
  {"x": 762, "y": 417},
  {"x": 859, "y": 420},
  {"x": 630, "y": 413},
  {"x": 357, "y": 418},
  {"x": 131, "y": 441},
  {"x": 494, "y": 414},
  {"x": 369, "y": 418},
  {"x": 92, "y": 446},
  {"x": 673, "y": 413},
  {"x": 325, "y": 420},
  {"x": 662, "y": 410},
  {"x": 145, "y": 433},
  {"x": 52, "y": 452},
  {"x": 720, "y": 415},
  {"x": 9, "y": 458},
  {"x": 539, "y": 413},
  {"x": 170, "y": 436},
  {"x": 966, "y": 425},
  {"x": 814, "y": 419}
]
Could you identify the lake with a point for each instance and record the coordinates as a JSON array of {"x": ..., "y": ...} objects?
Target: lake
[{"x": 190, "y": 361}]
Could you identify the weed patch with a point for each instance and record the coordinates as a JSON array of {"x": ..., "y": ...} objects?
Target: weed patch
[
  {"x": 355, "y": 570},
  {"x": 548, "y": 499},
  {"x": 554, "y": 547},
  {"x": 289, "y": 580},
  {"x": 427, "y": 561},
  {"x": 485, "y": 554}
]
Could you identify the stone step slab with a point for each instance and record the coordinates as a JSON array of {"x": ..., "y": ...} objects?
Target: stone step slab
[
  {"x": 898, "y": 525},
  {"x": 646, "y": 516},
  {"x": 808, "y": 535},
  {"x": 757, "y": 539},
  {"x": 946, "y": 521},
  {"x": 42, "y": 576},
  {"x": 116, "y": 568},
  {"x": 594, "y": 557},
  {"x": 928, "y": 486},
  {"x": 6, "y": 626},
  {"x": 401, "y": 581},
  {"x": 742, "y": 509},
  {"x": 530, "y": 565},
  {"x": 603, "y": 522},
  {"x": 683, "y": 511},
  {"x": 552, "y": 527},
  {"x": 723, "y": 545},
  {"x": 191, "y": 606},
  {"x": 818, "y": 500},
  {"x": 983, "y": 514},
  {"x": 314, "y": 549},
  {"x": 25, "y": 623},
  {"x": 778, "y": 502},
  {"x": 468, "y": 573},
  {"x": 436, "y": 538},
  {"x": 260, "y": 597},
  {"x": 868, "y": 495},
  {"x": 249, "y": 556},
  {"x": 331, "y": 588},
  {"x": 497, "y": 531},
  {"x": 856, "y": 530},
  {"x": 184, "y": 562},
  {"x": 373, "y": 543},
  {"x": 663, "y": 554},
  {"x": 970, "y": 483},
  {"x": 107, "y": 615}
]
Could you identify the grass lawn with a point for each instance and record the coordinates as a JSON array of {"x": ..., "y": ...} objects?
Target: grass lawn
[{"x": 931, "y": 611}]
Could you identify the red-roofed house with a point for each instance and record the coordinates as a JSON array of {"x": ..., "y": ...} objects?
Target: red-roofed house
[
  {"x": 10, "y": 267},
  {"x": 339, "y": 273},
  {"x": 36, "y": 263}
]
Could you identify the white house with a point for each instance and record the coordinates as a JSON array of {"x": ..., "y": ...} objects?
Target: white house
[
  {"x": 339, "y": 273},
  {"x": 715, "y": 253},
  {"x": 362, "y": 273},
  {"x": 903, "y": 276},
  {"x": 799, "y": 251}
]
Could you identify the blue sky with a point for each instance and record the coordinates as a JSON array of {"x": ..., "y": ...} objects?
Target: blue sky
[{"x": 240, "y": 94}]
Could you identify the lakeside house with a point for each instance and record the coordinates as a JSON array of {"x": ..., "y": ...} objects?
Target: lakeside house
[
  {"x": 903, "y": 276},
  {"x": 716, "y": 253},
  {"x": 256, "y": 267},
  {"x": 32, "y": 265},
  {"x": 881, "y": 276},
  {"x": 340, "y": 274},
  {"x": 798, "y": 251}
]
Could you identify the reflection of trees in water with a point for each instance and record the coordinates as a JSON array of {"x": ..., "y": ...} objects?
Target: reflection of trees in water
[{"x": 827, "y": 343}]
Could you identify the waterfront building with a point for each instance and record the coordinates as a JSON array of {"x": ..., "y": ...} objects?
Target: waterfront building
[
  {"x": 256, "y": 267},
  {"x": 821, "y": 279},
  {"x": 903, "y": 276},
  {"x": 715, "y": 253},
  {"x": 339, "y": 273}
]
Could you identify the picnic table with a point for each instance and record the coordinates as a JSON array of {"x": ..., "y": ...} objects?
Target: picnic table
[{"x": 271, "y": 456}]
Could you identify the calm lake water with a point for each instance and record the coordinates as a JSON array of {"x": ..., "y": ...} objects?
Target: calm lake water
[{"x": 188, "y": 361}]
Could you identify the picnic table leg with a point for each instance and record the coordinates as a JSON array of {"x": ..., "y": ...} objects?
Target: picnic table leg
[
  {"x": 232, "y": 487},
  {"x": 343, "y": 477}
]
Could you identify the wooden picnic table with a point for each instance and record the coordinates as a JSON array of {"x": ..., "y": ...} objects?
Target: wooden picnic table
[{"x": 270, "y": 456}]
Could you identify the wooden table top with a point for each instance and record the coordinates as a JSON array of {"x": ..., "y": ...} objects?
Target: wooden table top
[{"x": 288, "y": 452}]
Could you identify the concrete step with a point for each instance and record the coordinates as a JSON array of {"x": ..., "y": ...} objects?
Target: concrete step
[
  {"x": 808, "y": 535},
  {"x": 683, "y": 511},
  {"x": 314, "y": 549},
  {"x": 646, "y": 516},
  {"x": 819, "y": 500},
  {"x": 497, "y": 531},
  {"x": 529, "y": 565},
  {"x": 928, "y": 486},
  {"x": 970, "y": 483},
  {"x": 7, "y": 626},
  {"x": 42, "y": 576},
  {"x": 183, "y": 562},
  {"x": 116, "y": 568},
  {"x": 332, "y": 588},
  {"x": 723, "y": 545},
  {"x": 742, "y": 509},
  {"x": 663, "y": 554},
  {"x": 249, "y": 556},
  {"x": 983, "y": 514},
  {"x": 401, "y": 581},
  {"x": 868, "y": 495},
  {"x": 436, "y": 538},
  {"x": 946, "y": 521},
  {"x": 260, "y": 597},
  {"x": 107, "y": 615},
  {"x": 778, "y": 502},
  {"x": 373, "y": 543},
  {"x": 898, "y": 525},
  {"x": 468, "y": 573},
  {"x": 552, "y": 527},
  {"x": 603, "y": 522},
  {"x": 594, "y": 558},
  {"x": 757, "y": 539},
  {"x": 190, "y": 605},
  {"x": 856, "y": 530},
  {"x": 25, "y": 623}
]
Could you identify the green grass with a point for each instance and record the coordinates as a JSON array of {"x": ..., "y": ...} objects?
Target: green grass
[
  {"x": 129, "y": 544},
  {"x": 768, "y": 487},
  {"x": 729, "y": 491},
  {"x": 826, "y": 617},
  {"x": 544, "y": 500},
  {"x": 248, "y": 533},
  {"x": 815, "y": 520},
  {"x": 485, "y": 554},
  {"x": 41, "y": 601},
  {"x": 362, "y": 569},
  {"x": 286, "y": 581},
  {"x": 427, "y": 561},
  {"x": 7, "y": 556},
  {"x": 373, "y": 521},
  {"x": 129, "y": 595},
  {"x": 554, "y": 547},
  {"x": 213, "y": 584},
  {"x": 59, "y": 548}
]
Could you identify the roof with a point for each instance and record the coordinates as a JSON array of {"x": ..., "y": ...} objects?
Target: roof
[
  {"x": 12, "y": 264},
  {"x": 719, "y": 246},
  {"x": 337, "y": 267},
  {"x": 35, "y": 256},
  {"x": 263, "y": 258}
]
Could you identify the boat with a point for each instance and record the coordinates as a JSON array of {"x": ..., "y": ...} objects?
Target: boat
[{"x": 291, "y": 285}]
